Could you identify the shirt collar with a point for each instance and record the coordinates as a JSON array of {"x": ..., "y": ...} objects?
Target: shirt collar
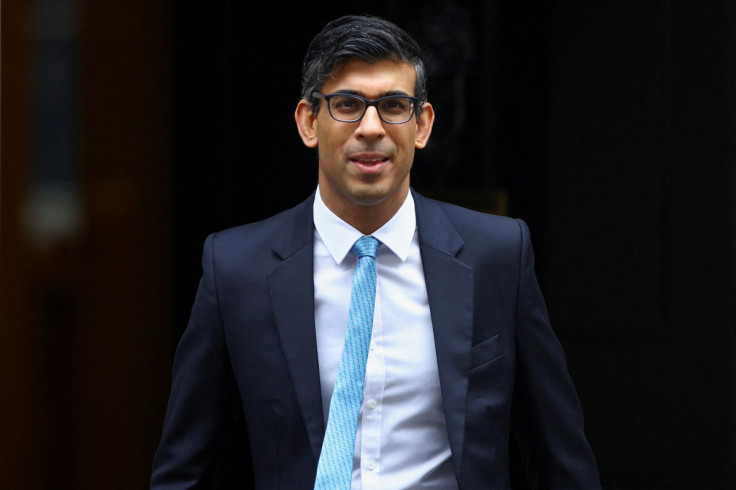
[{"x": 339, "y": 237}]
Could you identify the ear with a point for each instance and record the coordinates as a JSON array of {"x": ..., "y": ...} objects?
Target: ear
[
  {"x": 306, "y": 123},
  {"x": 424, "y": 126}
]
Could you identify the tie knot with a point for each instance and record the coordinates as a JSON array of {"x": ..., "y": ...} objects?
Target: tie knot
[{"x": 366, "y": 246}]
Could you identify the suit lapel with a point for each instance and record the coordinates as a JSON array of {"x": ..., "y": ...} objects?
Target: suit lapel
[
  {"x": 450, "y": 291},
  {"x": 291, "y": 286}
]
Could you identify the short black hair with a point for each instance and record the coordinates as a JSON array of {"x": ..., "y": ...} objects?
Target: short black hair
[{"x": 367, "y": 38}]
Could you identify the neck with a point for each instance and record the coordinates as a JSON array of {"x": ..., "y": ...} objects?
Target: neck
[{"x": 366, "y": 218}]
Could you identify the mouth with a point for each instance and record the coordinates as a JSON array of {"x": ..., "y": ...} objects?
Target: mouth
[{"x": 369, "y": 164}]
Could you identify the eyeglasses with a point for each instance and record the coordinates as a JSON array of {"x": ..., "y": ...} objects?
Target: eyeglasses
[{"x": 392, "y": 109}]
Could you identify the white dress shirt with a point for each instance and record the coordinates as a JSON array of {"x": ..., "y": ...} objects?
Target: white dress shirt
[{"x": 402, "y": 438}]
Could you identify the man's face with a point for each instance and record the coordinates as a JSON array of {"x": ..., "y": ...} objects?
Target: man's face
[{"x": 365, "y": 163}]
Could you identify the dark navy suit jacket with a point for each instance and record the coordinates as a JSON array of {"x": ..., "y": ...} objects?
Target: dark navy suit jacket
[{"x": 249, "y": 354}]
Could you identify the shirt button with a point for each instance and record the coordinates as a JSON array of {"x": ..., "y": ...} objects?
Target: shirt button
[
  {"x": 373, "y": 345},
  {"x": 372, "y": 403},
  {"x": 370, "y": 465}
]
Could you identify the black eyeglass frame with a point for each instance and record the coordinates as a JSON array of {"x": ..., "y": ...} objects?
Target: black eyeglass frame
[{"x": 368, "y": 103}]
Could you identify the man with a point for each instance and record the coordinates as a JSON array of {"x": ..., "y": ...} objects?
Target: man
[{"x": 444, "y": 337}]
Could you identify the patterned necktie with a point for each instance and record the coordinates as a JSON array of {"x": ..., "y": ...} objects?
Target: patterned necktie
[{"x": 335, "y": 467}]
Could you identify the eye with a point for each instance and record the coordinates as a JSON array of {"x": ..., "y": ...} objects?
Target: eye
[
  {"x": 346, "y": 104},
  {"x": 396, "y": 105}
]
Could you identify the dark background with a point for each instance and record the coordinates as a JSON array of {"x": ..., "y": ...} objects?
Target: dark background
[{"x": 132, "y": 129}]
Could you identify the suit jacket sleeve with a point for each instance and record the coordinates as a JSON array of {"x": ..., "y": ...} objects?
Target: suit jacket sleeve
[
  {"x": 202, "y": 410},
  {"x": 546, "y": 418}
]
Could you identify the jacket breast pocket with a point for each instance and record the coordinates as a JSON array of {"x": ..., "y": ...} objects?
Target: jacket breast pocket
[{"x": 486, "y": 351}]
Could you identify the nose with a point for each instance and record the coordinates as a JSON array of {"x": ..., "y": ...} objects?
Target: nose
[{"x": 371, "y": 126}]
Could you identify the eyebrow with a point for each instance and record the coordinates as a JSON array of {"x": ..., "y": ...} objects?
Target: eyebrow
[{"x": 362, "y": 94}]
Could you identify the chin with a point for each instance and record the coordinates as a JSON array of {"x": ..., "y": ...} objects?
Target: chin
[
  {"x": 364, "y": 200},
  {"x": 370, "y": 195}
]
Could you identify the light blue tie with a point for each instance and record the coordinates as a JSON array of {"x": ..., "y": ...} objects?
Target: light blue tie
[{"x": 335, "y": 467}]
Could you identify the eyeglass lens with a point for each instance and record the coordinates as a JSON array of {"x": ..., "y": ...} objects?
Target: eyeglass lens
[{"x": 347, "y": 108}]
